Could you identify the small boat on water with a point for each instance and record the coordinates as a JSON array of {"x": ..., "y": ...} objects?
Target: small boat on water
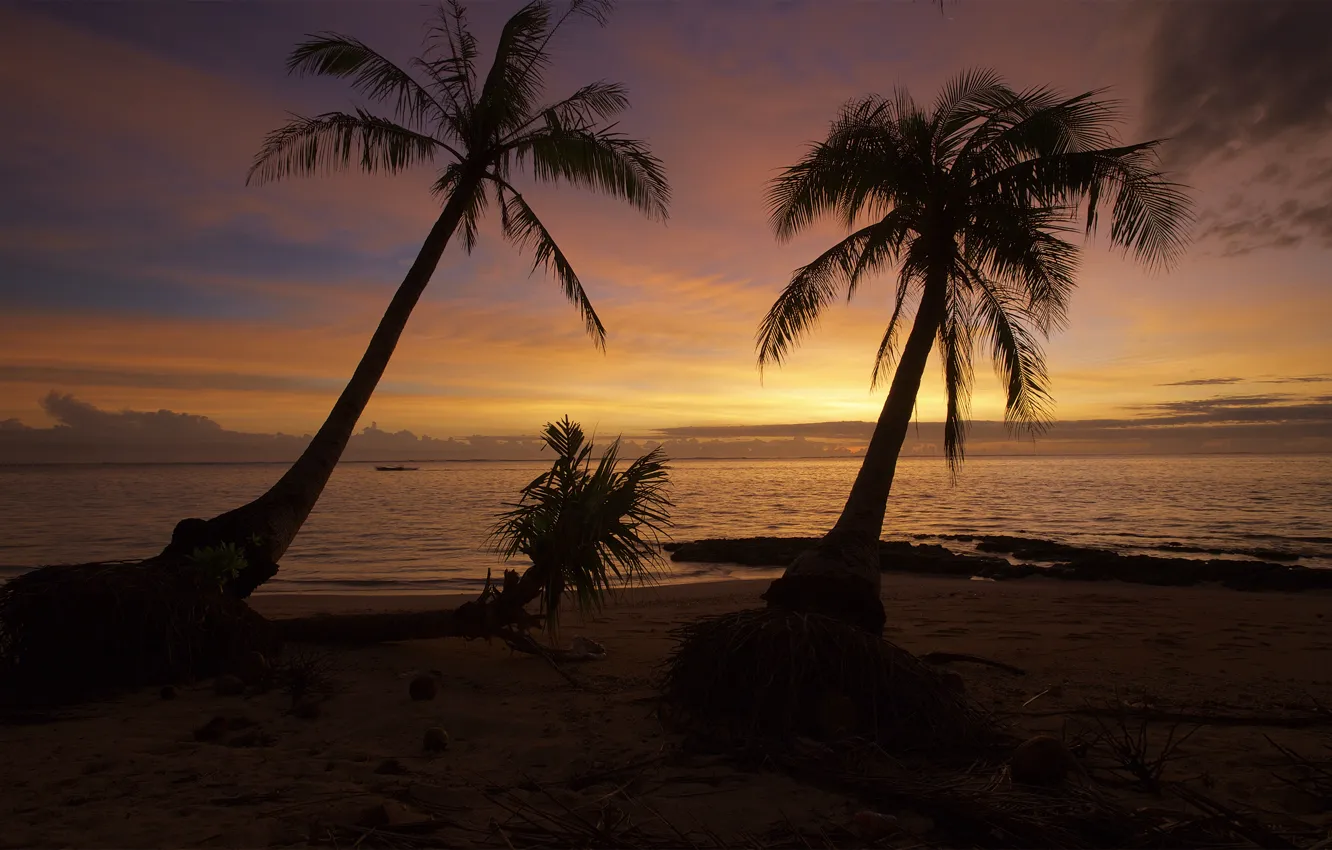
[{"x": 397, "y": 468}]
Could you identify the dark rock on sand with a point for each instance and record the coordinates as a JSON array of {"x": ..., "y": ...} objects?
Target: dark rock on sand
[
  {"x": 1042, "y": 761},
  {"x": 167, "y": 692},
  {"x": 392, "y": 767},
  {"x": 423, "y": 688},
  {"x": 219, "y": 726},
  {"x": 435, "y": 740}
]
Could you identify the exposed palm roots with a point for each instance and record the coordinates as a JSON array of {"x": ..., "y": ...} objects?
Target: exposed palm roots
[
  {"x": 774, "y": 674},
  {"x": 70, "y": 632}
]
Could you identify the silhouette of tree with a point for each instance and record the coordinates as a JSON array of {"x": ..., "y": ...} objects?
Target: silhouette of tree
[
  {"x": 479, "y": 132},
  {"x": 973, "y": 202}
]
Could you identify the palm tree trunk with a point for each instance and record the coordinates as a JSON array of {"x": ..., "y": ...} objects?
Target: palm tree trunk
[
  {"x": 496, "y": 613},
  {"x": 840, "y": 576},
  {"x": 265, "y": 527}
]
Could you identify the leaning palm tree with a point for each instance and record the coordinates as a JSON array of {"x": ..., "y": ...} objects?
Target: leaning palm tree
[
  {"x": 973, "y": 202},
  {"x": 478, "y": 132}
]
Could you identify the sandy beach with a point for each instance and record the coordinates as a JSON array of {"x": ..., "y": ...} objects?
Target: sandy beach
[{"x": 129, "y": 772}]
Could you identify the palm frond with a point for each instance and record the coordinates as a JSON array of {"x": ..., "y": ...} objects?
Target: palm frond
[
  {"x": 1041, "y": 122},
  {"x": 522, "y": 227},
  {"x": 450, "y": 58},
  {"x": 587, "y": 107},
  {"x": 846, "y": 174},
  {"x": 955, "y": 347},
  {"x": 812, "y": 288},
  {"x": 1025, "y": 244},
  {"x": 1018, "y": 358},
  {"x": 964, "y": 99},
  {"x": 598, "y": 10},
  {"x": 510, "y": 90},
  {"x": 328, "y": 142},
  {"x": 374, "y": 76},
  {"x": 597, "y": 159},
  {"x": 887, "y": 353},
  {"x": 882, "y": 246},
  {"x": 1150, "y": 214}
]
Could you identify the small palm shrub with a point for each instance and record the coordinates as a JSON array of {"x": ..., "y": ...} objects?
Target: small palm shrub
[{"x": 587, "y": 527}]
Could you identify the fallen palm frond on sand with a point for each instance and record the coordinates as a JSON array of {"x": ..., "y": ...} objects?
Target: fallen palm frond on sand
[
  {"x": 1311, "y": 775},
  {"x": 1288, "y": 720},
  {"x": 983, "y": 807}
]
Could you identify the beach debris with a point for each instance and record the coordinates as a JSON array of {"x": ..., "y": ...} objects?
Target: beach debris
[
  {"x": 423, "y": 688},
  {"x": 307, "y": 708},
  {"x": 872, "y": 826},
  {"x": 228, "y": 685},
  {"x": 1308, "y": 777},
  {"x": 392, "y": 814},
  {"x": 220, "y": 725},
  {"x": 950, "y": 657},
  {"x": 436, "y": 740},
  {"x": 167, "y": 692},
  {"x": 1043, "y": 761},
  {"x": 392, "y": 767},
  {"x": 585, "y": 649},
  {"x": 212, "y": 730}
]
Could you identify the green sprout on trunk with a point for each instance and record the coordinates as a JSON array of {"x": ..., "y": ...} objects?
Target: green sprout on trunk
[{"x": 221, "y": 563}]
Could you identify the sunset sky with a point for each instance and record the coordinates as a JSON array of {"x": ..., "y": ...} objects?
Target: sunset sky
[{"x": 139, "y": 273}]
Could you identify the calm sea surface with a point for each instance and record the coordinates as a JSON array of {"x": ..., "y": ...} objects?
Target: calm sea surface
[{"x": 426, "y": 530}]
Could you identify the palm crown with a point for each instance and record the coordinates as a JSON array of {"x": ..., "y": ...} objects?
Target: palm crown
[
  {"x": 973, "y": 202},
  {"x": 483, "y": 130}
]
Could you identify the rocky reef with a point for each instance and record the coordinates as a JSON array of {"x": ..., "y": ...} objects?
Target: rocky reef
[{"x": 1058, "y": 561}]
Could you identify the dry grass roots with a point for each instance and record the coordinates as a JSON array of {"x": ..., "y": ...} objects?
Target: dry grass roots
[{"x": 772, "y": 674}]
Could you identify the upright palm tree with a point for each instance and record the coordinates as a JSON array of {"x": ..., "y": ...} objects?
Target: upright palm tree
[
  {"x": 479, "y": 133},
  {"x": 972, "y": 202}
]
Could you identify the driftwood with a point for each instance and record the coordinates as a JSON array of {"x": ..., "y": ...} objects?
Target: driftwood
[
  {"x": 948, "y": 657},
  {"x": 495, "y": 613}
]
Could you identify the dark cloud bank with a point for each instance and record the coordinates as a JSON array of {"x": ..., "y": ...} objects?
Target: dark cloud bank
[
  {"x": 1255, "y": 423},
  {"x": 1253, "y": 79}
]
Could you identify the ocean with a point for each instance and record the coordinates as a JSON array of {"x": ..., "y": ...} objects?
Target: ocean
[{"x": 425, "y": 530}]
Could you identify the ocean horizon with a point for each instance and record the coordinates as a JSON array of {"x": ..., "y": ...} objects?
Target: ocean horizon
[{"x": 425, "y": 530}]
